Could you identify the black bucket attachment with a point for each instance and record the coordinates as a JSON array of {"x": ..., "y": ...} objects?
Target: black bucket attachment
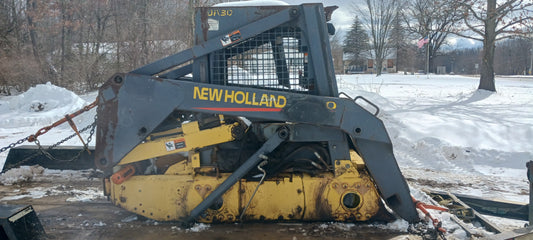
[
  {"x": 64, "y": 158},
  {"x": 20, "y": 222}
]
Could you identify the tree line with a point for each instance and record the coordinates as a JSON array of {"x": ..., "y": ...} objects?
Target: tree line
[
  {"x": 381, "y": 25},
  {"x": 77, "y": 44},
  {"x": 512, "y": 57}
]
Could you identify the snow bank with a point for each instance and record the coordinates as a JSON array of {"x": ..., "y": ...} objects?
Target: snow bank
[
  {"x": 21, "y": 174},
  {"x": 450, "y": 109},
  {"x": 449, "y": 136},
  {"x": 443, "y": 123},
  {"x": 40, "y": 105}
]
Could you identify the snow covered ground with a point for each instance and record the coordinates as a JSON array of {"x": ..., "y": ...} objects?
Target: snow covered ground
[
  {"x": 446, "y": 131},
  {"x": 447, "y": 135}
]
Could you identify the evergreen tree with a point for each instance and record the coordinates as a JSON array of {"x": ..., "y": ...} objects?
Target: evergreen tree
[{"x": 356, "y": 42}]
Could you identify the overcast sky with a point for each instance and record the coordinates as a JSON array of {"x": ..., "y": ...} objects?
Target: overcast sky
[{"x": 342, "y": 18}]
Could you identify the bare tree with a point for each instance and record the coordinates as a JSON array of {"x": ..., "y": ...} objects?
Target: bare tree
[
  {"x": 432, "y": 19},
  {"x": 512, "y": 56},
  {"x": 402, "y": 41},
  {"x": 18, "y": 64},
  {"x": 7, "y": 23},
  {"x": 33, "y": 11},
  {"x": 378, "y": 16},
  {"x": 490, "y": 21},
  {"x": 78, "y": 44}
]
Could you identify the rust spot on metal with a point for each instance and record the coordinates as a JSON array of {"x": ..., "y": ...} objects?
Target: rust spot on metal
[
  {"x": 322, "y": 206},
  {"x": 203, "y": 190},
  {"x": 106, "y": 123},
  {"x": 181, "y": 200},
  {"x": 296, "y": 213},
  {"x": 158, "y": 79},
  {"x": 204, "y": 22},
  {"x": 329, "y": 11},
  {"x": 272, "y": 9},
  {"x": 365, "y": 186}
]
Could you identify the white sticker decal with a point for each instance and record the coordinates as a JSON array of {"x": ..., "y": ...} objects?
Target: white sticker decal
[
  {"x": 175, "y": 144},
  {"x": 231, "y": 38},
  {"x": 170, "y": 146},
  {"x": 213, "y": 24}
]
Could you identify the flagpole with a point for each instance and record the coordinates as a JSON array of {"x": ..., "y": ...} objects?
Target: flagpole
[{"x": 427, "y": 57}]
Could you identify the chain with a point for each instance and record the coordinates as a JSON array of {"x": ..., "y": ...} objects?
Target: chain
[
  {"x": 45, "y": 152},
  {"x": 92, "y": 125},
  {"x": 12, "y": 145},
  {"x": 67, "y": 118},
  {"x": 49, "y": 156}
]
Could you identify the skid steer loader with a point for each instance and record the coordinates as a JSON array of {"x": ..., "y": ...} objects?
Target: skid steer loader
[
  {"x": 257, "y": 133},
  {"x": 247, "y": 125}
]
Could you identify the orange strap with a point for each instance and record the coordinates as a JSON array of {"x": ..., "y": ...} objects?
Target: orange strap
[
  {"x": 424, "y": 208},
  {"x": 67, "y": 118}
]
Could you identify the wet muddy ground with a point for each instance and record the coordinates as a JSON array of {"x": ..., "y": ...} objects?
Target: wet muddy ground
[{"x": 64, "y": 215}]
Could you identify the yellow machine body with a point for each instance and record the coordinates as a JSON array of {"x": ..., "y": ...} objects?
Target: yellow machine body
[
  {"x": 157, "y": 145},
  {"x": 348, "y": 194}
]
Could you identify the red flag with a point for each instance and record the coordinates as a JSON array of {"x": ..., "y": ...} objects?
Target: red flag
[{"x": 422, "y": 41}]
